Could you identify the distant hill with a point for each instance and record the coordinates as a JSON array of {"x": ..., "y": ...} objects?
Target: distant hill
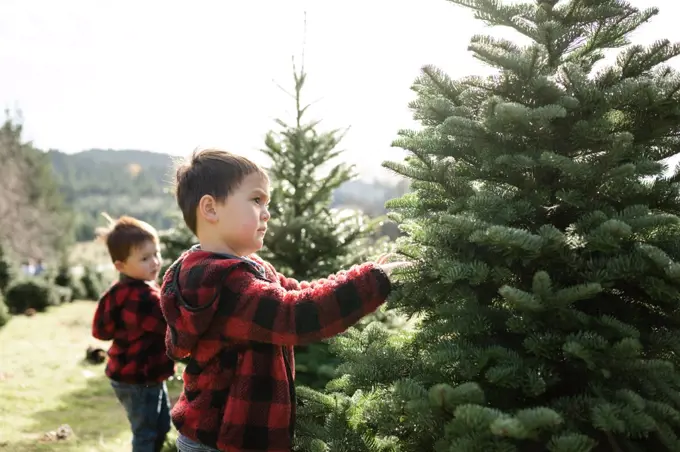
[{"x": 138, "y": 183}]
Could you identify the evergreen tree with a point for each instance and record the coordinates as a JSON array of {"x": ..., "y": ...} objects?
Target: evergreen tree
[
  {"x": 174, "y": 242},
  {"x": 306, "y": 238},
  {"x": 8, "y": 270},
  {"x": 546, "y": 227}
]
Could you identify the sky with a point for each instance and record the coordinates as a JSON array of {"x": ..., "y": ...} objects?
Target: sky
[{"x": 169, "y": 77}]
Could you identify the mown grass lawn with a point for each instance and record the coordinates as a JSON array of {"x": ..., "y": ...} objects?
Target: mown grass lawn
[{"x": 45, "y": 383}]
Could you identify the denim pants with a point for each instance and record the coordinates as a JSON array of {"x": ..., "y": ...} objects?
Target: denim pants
[
  {"x": 185, "y": 444},
  {"x": 148, "y": 410}
]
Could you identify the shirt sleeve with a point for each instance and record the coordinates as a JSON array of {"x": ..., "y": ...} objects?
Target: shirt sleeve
[
  {"x": 103, "y": 326},
  {"x": 287, "y": 312}
]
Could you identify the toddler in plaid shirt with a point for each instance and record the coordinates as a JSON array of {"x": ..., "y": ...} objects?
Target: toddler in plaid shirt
[
  {"x": 129, "y": 313},
  {"x": 235, "y": 319}
]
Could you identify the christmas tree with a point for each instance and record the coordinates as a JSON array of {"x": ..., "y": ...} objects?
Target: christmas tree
[
  {"x": 174, "y": 242},
  {"x": 546, "y": 227},
  {"x": 306, "y": 238}
]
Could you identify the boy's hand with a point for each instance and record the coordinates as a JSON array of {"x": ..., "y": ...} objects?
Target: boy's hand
[{"x": 388, "y": 267}]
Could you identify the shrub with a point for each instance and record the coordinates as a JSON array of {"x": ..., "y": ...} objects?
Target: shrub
[
  {"x": 32, "y": 293},
  {"x": 64, "y": 277},
  {"x": 78, "y": 291},
  {"x": 5, "y": 316},
  {"x": 7, "y": 270},
  {"x": 92, "y": 283},
  {"x": 64, "y": 294}
]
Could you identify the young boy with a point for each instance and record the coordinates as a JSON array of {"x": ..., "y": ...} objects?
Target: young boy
[
  {"x": 235, "y": 319},
  {"x": 129, "y": 313}
]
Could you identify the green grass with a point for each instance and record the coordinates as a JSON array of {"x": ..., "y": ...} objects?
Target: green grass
[{"x": 45, "y": 382}]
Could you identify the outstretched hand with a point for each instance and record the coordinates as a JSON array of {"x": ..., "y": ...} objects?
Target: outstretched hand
[{"x": 388, "y": 267}]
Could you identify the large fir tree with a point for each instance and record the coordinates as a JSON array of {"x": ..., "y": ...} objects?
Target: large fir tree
[{"x": 548, "y": 231}]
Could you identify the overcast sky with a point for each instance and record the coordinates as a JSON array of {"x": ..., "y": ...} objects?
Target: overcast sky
[{"x": 170, "y": 76}]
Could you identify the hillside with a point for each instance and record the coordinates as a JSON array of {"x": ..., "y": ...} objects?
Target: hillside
[{"x": 138, "y": 183}]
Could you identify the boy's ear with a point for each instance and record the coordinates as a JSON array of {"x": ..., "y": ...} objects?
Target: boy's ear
[
  {"x": 119, "y": 266},
  {"x": 207, "y": 208}
]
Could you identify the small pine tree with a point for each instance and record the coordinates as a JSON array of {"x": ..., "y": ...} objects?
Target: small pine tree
[
  {"x": 63, "y": 276},
  {"x": 174, "y": 242},
  {"x": 306, "y": 238},
  {"x": 546, "y": 227},
  {"x": 7, "y": 270},
  {"x": 5, "y": 315},
  {"x": 92, "y": 283}
]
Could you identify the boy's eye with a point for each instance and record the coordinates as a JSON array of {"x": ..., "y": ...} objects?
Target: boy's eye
[{"x": 257, "y": 200}]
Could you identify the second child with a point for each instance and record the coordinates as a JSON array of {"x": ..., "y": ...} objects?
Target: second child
[{"x": 129, "y": 313}]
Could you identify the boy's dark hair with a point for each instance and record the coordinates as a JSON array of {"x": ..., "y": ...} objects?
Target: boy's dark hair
[
  {"x": 125, "y": 234},
  {"x": 209, "y": 172}
]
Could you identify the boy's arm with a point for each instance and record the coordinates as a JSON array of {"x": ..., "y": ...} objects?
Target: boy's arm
[
  {"x": 262, "y": 311},
  {"x": 103, "y": 326},
  {"x": 286, "y": 283}
]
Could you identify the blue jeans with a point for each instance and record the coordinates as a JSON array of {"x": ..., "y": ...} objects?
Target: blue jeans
[
  {"x": 185, "y": 444},
  {"x": 148, "y": 410}
]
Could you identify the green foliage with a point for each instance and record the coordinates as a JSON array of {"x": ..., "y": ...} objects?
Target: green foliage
[
  {"x": 64, "y": 294},
  {"x": 546, "y": 232},
  {"x": 92, "y": 283},
  {"x": 30, "y": 293},
  {"x": 117, "y": 182},
  {"x": 7, "y": 270},
  {"x": 5, "y": 315},
  {"x": 63, "y": 276},
  {"x": 64, "y": 279},
  {"x": 174, "y": 242}
]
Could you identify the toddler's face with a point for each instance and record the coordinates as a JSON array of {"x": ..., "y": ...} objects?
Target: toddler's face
[
  {"x": 242, "y": 218},
  {"x": 144, "y": 262}
]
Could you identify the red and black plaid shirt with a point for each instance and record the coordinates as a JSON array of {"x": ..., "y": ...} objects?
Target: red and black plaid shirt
[
  {"x": 237, "y": 322},
  {"x": 129, "y": 312}
]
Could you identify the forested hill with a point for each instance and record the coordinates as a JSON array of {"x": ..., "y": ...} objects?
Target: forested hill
[{"x": 138, "y": 183}]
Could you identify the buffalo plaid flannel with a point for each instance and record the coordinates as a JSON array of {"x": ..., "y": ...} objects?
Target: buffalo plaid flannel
[
  {"x": 129, "y": 312},
  {"x": 236, "y": 322}
]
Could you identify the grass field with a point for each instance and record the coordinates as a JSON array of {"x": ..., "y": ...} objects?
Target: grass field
[{"x": 45, "y": 382}]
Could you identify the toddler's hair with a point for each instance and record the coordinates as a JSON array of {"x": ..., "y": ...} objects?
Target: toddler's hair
[{"x": 125, "y": 234}]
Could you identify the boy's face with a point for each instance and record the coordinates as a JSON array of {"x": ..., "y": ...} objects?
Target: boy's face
[
  {"x": 144, "y": 262},
  {"x": 241, "y": 220}
]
